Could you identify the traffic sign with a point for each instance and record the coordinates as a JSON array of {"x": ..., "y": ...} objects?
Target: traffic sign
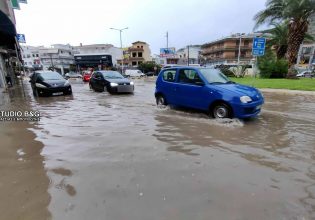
[
  {"x": 259, "y": 45},
  {"x": 20, "y": 38}
]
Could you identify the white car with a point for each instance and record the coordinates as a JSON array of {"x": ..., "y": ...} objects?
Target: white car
[
  {"x": 305, "y": 73},
  {"x": 134, "y": 73}
]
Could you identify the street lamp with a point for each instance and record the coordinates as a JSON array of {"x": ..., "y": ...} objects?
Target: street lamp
[
  {"x": 122, "y": 60},
  {"x": 239, "y": 49}
]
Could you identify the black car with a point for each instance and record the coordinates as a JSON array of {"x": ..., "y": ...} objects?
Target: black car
[
  {"x": 111, "y": 81},
  {"x": 45, "y": 83}
]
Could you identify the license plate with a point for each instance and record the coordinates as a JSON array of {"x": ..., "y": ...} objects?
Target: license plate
[
  {"x": 57, "y": 93},
  {"x": 258, "y": 107}
]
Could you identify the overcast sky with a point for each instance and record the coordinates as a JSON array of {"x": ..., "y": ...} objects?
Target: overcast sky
[{"x": 46, "y": 22}]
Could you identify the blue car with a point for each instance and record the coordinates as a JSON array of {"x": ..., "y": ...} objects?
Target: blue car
[{"x": 209, "y": 90}]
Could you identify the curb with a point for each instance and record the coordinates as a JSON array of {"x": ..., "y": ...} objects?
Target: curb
[{"x": 288, "y": 91}]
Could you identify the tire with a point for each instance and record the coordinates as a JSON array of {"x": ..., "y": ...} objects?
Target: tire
[
  {"x": 221, "y": 110},
  {"x": 160, "y": 101}
]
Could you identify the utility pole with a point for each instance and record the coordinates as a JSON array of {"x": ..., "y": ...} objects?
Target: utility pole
[
  {"x": 188, "y": 54},
  {"x": 122, "y": 60},
  {"x": 167, "y": 40},
  {"x": 239, "y": 49}
]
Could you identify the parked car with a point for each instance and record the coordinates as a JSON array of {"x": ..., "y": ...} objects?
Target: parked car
[
  {"x": 134, "y": 73},
  {"x": 73, "y": 75},
  {"x": 149, "y": 74},
  {"x": 46, "y": 83},
  {"x": 305, "y": 73},
  {"x": 111, "y": 81},
  {"x": 86, "y": 76},
  {"x": 209, "y": 90}
]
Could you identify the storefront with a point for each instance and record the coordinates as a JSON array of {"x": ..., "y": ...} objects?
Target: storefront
[{"x": 9, "y": 50}]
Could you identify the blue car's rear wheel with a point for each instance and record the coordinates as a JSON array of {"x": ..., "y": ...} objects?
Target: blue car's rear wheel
[{"x": 221, "y": 111}]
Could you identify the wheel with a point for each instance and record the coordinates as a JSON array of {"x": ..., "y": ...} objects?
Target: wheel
[
  {"x": 221, "y": 111},
  {"x": 160, "y": 101}
]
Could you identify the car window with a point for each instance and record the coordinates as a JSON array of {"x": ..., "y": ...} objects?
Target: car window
[
  {"x": 169, "y": 75},
  {"x": 189, "y": 76},
  {"x": 50, "y": 76}
]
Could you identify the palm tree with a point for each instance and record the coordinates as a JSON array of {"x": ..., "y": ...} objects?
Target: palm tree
[
  {"x": 297, "y": 12},
  {"x": 279, "y": 38}
]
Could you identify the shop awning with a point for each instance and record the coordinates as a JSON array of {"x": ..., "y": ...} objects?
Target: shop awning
[{"x": 7, "y": 32}]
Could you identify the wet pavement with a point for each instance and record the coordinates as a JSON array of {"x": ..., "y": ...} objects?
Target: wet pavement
[{"x": 119, "y": 157}]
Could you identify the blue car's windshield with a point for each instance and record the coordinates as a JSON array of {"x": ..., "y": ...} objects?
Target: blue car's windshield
[
  {"x": 112, "y": 75},
  {"x": 51, "y": 76},
  {"x": 214, "y": 75}
]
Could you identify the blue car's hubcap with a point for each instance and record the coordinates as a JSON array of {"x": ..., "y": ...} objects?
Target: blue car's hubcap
[{"x": 220, "y": 112}]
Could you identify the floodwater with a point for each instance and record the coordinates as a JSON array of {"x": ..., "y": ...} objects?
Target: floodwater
[{"x": 119, "y": 157}]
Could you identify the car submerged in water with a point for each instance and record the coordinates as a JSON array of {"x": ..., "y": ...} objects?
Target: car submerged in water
[
  {"x": 110, "y": 81},
  {"x": 209, "y": 90},
  {"x": 47, "y": 83}
]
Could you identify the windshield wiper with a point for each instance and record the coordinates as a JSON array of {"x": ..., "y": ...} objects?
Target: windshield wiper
[{"x": 230, "y": 82}]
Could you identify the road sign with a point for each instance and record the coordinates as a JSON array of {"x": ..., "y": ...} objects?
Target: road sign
[
  {"x": 15, "y": 4},
  {"x": 259, "y": 45},
  {"x": 20, "y": 38}
]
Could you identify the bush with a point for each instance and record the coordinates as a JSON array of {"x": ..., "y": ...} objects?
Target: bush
[{"x": 270, "y": 67}]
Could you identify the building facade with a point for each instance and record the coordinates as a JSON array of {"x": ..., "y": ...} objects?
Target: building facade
[
  {"x": 228, "y": 50},
  {"x": 93, "y": 49},
  {"x": 9, "y": 47},
  {"x": 311, "y": 26},
  {"x": 59, "y": 57},
  {"x": 31, "y": 58},
  {"x": 189, "y": 54},
  {"x": 138, "y": 53},
  {"x": 306, "y": 56}
]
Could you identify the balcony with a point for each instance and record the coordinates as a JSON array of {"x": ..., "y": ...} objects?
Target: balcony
[
  {"x": 222, "y": 49},
  {"x": 133, "y": 49},
  {"x": 136, "y": 59}
]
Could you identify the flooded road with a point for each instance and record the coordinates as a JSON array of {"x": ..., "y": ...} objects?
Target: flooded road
[{"x": 119, "y": 157}]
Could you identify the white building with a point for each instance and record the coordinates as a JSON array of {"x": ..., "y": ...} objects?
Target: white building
[
  {"x": 109, "y": 49},
  {"x": 193, "y": 53},
  {"x": 59, "y": 56},
  {"x": 30, "y": 56}
]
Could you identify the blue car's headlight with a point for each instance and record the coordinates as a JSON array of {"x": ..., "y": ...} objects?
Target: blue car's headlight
[{"x": 246, "y": 99}]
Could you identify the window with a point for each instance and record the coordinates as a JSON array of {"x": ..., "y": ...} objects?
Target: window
[
  {"x": 37, "y": 55},
  {"x": 189, "y": 76},
  {"x": 134, "y": 64},
  {"x": 28, "y": 55},
  {"x": 139, "y": 54},
  {"x": 141, "y": 46},
  {"x": 33, "y": 55},
  {"x": 169, "y": 75},
  {"x": 134, "y": 54}
]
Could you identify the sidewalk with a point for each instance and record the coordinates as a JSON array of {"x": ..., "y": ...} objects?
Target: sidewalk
[{"x": 288, "y": 91}]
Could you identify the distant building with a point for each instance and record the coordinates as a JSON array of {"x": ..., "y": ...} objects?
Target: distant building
[
  {"x": 226, "y": 50},
  {"x": 194, "y": 55},
  {"x": 30, "y": 56},
  {"x": 93, "y": 49},
  {"x": 59, "y": 57},
  {"x": 306, "y": 56},
  {"x": 311, "y": 26},
  {"x": 138, "y": 53}
]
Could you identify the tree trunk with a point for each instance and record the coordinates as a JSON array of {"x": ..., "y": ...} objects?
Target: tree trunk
[
  {"x": 281, "y": 51},
  {"x": 297, "y": 30}
]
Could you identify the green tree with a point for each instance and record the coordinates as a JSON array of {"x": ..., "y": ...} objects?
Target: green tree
[
  {"x": 279, "y": 38},
  {"x": 297, "y": 12},
  {"x": 271, "y": 67}
]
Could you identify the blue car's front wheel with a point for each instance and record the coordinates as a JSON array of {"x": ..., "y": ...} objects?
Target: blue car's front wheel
[{"x": 221, "y": 111}]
